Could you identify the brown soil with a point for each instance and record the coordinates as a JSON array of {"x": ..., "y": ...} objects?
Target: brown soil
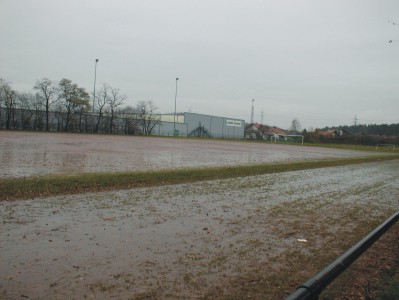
[
  {"x": 235, "y": 239},
  {"x": 36, "y": 153},
  {"x": 367, "y": 277}
]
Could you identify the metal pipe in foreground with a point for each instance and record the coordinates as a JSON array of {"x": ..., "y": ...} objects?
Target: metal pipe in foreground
[{"x": 312, "y": 288}]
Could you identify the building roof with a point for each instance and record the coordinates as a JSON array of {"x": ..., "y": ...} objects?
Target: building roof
[
  {"x": 333, "y": 132},
  {"x": 269, "y": 130}
]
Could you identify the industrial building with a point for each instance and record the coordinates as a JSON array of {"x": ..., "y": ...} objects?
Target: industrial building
[
  {"x": 197, "y": 125},
  {"x": 182, "y": 124}
]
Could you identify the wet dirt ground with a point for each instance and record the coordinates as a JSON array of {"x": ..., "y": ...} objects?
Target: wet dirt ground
[
  {"x": 184, "y": 241},
  {"x": 37, "y": 153}
]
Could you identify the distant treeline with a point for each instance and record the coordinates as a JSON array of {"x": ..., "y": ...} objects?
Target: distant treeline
[
  {"x": 371, "y": 129},
  {"x": 358, "y": 135}
]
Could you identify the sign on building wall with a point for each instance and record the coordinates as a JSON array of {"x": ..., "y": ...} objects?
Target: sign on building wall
[{"x": 233, "y": 123}]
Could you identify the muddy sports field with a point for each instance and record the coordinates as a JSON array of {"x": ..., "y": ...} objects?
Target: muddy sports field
[{"x": 249, "y": 237}]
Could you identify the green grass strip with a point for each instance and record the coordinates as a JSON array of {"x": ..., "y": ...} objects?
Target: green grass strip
[{"x": 41, "y": 186}]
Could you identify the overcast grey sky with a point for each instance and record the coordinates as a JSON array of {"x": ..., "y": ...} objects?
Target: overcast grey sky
[{"x": 322, "y": 62}]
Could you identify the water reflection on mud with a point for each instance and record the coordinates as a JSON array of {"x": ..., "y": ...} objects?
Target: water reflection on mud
[
  {"x": 34, "y": 153},
  {"x": 176, "y": 241}
]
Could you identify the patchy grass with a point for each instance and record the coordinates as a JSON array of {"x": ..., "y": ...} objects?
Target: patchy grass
[
  {"x": 247, "y": 248},
  {"x": 354, "y": 147},
  {"x": 280, "y": 275},
  {"x": 391, "y": 290},
  {"x": 31, "y": 187},
  {"x": 374, "y": 275},
  {"x": 328, "y": 145}
]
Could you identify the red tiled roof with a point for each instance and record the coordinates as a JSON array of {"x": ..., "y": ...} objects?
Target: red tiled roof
[{"x": 268, "y": 130}]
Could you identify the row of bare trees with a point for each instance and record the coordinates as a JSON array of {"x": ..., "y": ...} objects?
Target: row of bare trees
[
  {"x": 108, "y": 99},
  {"x": 65, "y": 106}
]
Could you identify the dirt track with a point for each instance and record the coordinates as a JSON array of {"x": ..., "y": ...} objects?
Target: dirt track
[{"x": 190, "y": 241}]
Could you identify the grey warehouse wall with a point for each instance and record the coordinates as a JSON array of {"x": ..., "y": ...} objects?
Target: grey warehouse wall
[
  {"x": 217, "y": 127},
  {"x": 166, "y": 129}
]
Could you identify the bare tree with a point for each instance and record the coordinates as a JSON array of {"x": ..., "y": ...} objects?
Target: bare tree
[
  {"x": 114, "y": 100},
  {"x": 46, "y": 90},
  {"x": 145, "y": 111},
  {"x": 102, "y": 98},
  {"x": 37, "y": 107},
  {"x": 8, "y": 96},
  {"x": 25, "y": 102},
  {"x": 2, "y": 96},
  {"x": 295, "y": 126},
  {"x": 75, "y": 98},
  {"x": 58, "y": 111},
  {"x": 130, "y": 120}
]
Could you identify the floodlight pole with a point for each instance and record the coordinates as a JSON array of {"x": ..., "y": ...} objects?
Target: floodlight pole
[
  {"x": 252, "y": 112},
  {"x": 174, "y": 116},
  {"x": 95, "y": 78}
]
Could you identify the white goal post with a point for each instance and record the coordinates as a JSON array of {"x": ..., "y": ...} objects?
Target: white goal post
[
  {"x": 386, "y": 145},
  {"x": 289, "y": 135}
]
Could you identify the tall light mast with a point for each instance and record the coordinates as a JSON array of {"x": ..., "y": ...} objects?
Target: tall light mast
[{"x": 252, "y": 112}]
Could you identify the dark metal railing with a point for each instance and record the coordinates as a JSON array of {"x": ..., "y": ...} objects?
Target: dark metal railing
[{"x": 312, "y": 288}]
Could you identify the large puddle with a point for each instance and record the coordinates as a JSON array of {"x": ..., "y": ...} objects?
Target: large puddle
[
  {"x": 173, "y": 242},
  {"x": 35, "y": 153}
]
